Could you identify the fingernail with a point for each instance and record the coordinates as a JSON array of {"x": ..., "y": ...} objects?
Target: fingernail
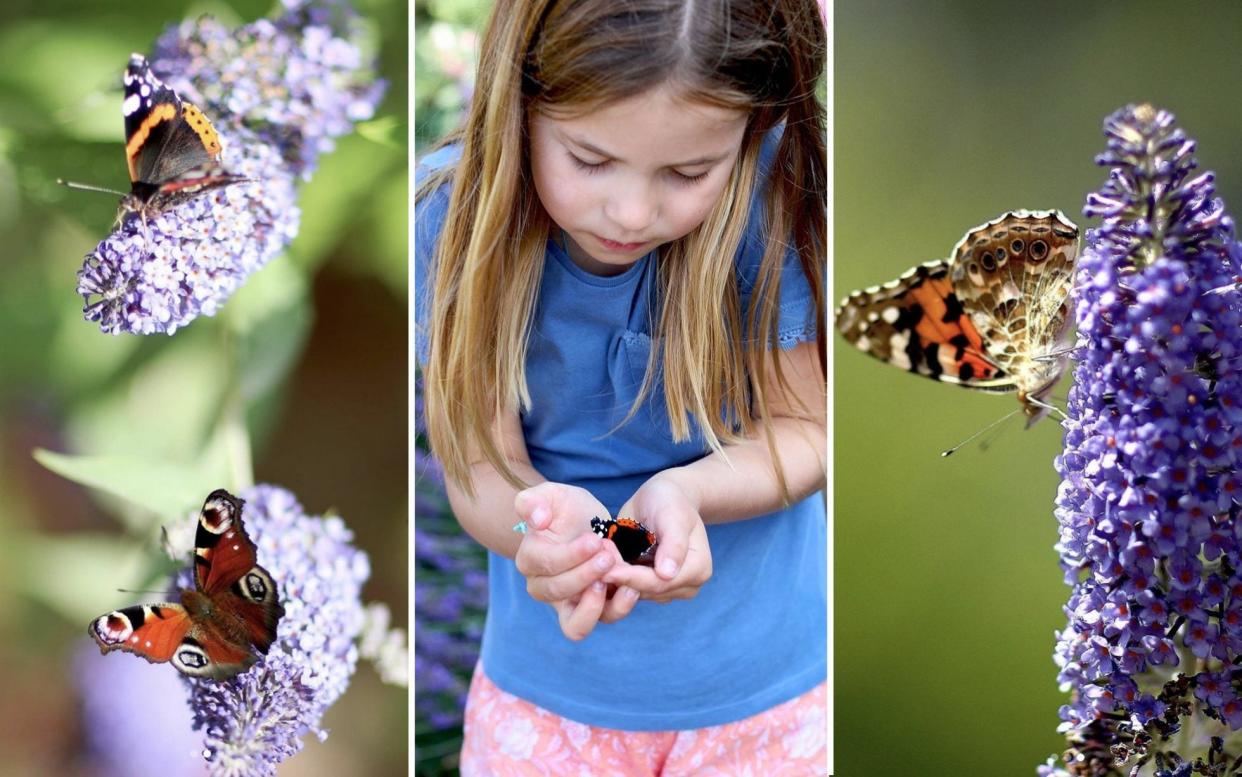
[
  {"x": 539, "y": 515},
  {"x": 597, "y": 587},
  {"x": 628, "y": 593},
  {"x": 603, "y": 562},
  {"x": 668, "y": 567}
]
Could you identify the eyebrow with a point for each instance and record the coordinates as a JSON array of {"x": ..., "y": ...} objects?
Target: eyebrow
[{"x": 702, "y": 160}]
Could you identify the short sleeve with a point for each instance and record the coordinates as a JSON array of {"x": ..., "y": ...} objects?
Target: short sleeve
[
  {"x": 429, "y": 214},
  {"x": 797, "y": 318}
]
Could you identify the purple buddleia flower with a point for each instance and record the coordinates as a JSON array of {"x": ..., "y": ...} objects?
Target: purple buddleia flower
[
  {"x": 257, "y": 719},
  {"x": 1149, "y": 501},
  {"x": 278, "y": 91},
  {"x": 298, "y": 80},
  {"x": 160, "y": 274},
  {"x": 450, "y": 595}
]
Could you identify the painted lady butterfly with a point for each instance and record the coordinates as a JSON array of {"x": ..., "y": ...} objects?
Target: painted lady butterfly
[{"x": 994, "y": 317}]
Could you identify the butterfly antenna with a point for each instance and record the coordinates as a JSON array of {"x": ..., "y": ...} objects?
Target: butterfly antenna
[
  {"x": 1056, "y": 353},
  {"x": 1047, "y": 406},
  {"x": 86, "y": 187},
  {"x": 992, "y": 425},
  {"x": 130, "y": 591}
]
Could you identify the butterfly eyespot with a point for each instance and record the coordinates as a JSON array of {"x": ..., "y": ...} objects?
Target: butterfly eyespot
[
  {"x": 191, "y": 657},
  {"x": 988, "y": 261},
  {"x": 256, "y": 586},
  {"x": 1039, "y": 250},
  {"x": 1016, "y": 246}
]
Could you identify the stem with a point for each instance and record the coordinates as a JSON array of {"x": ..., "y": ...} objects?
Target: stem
[{"x": 233, "y": 430}]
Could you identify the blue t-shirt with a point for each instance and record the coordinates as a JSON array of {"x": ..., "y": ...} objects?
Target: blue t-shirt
[{"x": 755, "y": 635}]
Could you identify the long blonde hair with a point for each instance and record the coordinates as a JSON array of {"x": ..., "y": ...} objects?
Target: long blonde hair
[{"x": 759, "y": 56}]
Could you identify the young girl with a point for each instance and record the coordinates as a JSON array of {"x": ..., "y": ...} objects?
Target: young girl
[{"x": 619, "y": 271}]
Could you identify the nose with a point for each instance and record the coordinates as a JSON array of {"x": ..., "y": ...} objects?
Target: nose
[{"x": 633, "y": 208}]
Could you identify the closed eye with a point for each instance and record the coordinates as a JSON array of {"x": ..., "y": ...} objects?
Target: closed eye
[
  {"x": 688, "y": 180},
  {"x": 587, "y": 167}
]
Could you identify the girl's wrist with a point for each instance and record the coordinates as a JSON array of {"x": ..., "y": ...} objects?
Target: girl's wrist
[{"x": 685, "y": 481}]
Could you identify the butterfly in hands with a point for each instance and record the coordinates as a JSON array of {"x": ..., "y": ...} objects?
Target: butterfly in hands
[
  {"x": 216, "y": 629},
  {"x": 994, "y": 316},
  {"x": 635, "y": 542}
]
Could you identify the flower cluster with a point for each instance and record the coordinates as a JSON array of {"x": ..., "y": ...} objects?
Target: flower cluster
[
  {"x": 297, "y": 81},
  {"x": 277, "y": 91},
  {"x": 161, "y": 274},
  {"x": 1151, "y": 482},
  {"x": 257, "y": 719},
  {"x": 450, "y": 593}
]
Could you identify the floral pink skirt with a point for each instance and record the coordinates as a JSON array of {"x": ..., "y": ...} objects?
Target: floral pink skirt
[{"x": 508, "y": 736}]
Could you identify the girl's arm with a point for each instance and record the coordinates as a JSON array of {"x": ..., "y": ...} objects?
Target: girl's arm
[
  {"x": 744, "y": 484},
  {"x": 489, "y": 515},
  {"x": 733, "y": 485},
  {"x": 563, "y": 562}
]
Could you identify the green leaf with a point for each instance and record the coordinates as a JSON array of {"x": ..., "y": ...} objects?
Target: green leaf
[
  {"x": 89, "y": 569},
  {"x": 164, "y": 407},
  {"x": 270, "y": 320},
  {"x": 386, "y": 130},
  {"x": 332, "y": 200},
  {"x": 162, "y": 489}
]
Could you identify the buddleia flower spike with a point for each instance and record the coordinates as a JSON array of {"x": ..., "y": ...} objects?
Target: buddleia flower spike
[{"x": 1151, "y": 472}]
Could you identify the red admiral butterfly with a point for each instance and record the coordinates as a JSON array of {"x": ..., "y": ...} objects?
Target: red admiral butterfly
[
  {"x": 232, "y": 610},
  {"x": 635, "y": 542},
  {"x": 172, "y": 151}
]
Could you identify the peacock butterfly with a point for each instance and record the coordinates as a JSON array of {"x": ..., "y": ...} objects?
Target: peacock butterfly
[{"x": 232, "y": 611}]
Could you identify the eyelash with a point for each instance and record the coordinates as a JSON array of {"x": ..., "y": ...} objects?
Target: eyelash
[{"x": 590, "y": 169}]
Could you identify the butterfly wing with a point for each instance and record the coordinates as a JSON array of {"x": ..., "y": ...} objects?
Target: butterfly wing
[
  {"x": 1016, "y": 273},
  {"x": 153, "y": 631},
  {"x": 165, "y": 137},
  {"x": 918, "y": 323},
  {"x": 243, "y": 595}
]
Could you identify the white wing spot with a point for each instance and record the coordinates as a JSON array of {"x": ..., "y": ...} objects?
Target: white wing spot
[
  {"x": 148, "y": 643},
  {"x": 236, "y": 547},
  {"x": 891, "y": 315},
  {"x": 897, "y": 344},
  {"x": 133, "y": 638},
  {"x": 145, "y": 90}
]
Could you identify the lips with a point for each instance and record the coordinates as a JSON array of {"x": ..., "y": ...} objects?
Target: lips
[{"x": 613, "y": 245}]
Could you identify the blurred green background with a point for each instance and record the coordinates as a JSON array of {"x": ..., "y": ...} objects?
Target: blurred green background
[
  {"x": 947, "y": 588},
  {"x": 310, "y": 357}
]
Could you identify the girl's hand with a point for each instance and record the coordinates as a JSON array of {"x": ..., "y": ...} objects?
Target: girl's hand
[
  {"x": 683, "y": 561},
  {"x": 562, "y": 560}
]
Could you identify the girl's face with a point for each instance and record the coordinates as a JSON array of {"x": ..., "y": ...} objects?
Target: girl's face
[{"x": 632, "y": 175}]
